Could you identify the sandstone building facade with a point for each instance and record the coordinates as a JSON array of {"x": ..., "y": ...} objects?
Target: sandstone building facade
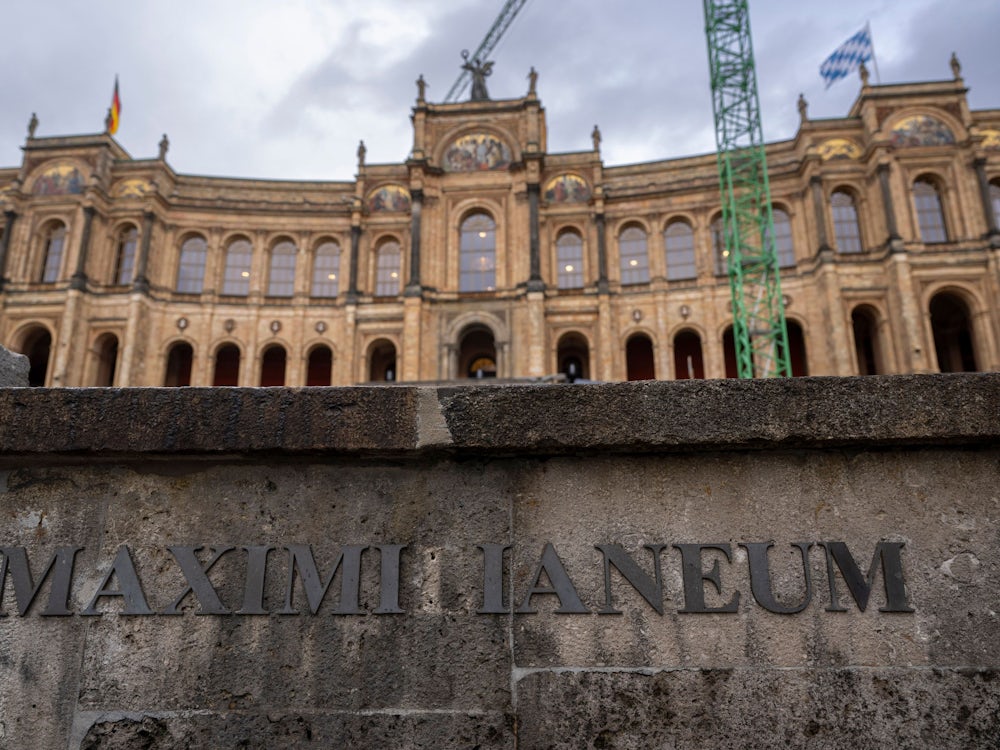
[{"x": 484, "y": 254}]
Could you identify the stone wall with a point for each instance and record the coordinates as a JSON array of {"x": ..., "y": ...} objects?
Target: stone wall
[{"x": 508, "y": 566}]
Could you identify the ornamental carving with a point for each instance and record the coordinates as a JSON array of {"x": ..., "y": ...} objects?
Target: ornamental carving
[
  {"x": 131, "y": 188},
  {"x": 991, "y": 139},
  {"x": 477, "y": 152},
  {"x": 833, "y": 149},
  {"x": 389, "y": 198},
  {"x": 921, "y": 130},
  {"x": 567, "y": 188}
]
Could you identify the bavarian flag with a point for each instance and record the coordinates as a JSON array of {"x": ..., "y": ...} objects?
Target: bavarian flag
[{"x": 114, "y": 113}]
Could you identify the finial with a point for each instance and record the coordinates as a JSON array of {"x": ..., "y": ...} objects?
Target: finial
[
  {"x": 863, "y": 72},
  {"x": 956, "y": 66},
  {"x": 596, "y": 137},
  {"x": 532, "y": 81},
  {"x": 803, "y": 108},
  {"x": 164, "y": 145},
  {"x": 361, "y": 153},
  {"x": 32, "y": 125},
  {"x": 421, "y": 89}
]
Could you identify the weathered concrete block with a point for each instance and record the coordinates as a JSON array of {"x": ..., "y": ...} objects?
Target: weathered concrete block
[{"x": 14, "y": 369}]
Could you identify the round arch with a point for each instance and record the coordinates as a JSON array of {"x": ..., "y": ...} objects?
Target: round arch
[
  {"x": 573, "y": 355},
  {"x": 381, "y": 359},
  {"x": 640, "y": 357},
  {"x": 35, "y": 342},
  {"x": 179, "y": 363}
]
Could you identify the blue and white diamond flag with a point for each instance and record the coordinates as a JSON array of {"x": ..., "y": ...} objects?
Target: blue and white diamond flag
[{"x": 847, "y": 57}]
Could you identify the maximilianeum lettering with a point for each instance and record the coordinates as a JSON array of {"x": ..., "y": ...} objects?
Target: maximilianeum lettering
[{"x": 288, "y": 581}]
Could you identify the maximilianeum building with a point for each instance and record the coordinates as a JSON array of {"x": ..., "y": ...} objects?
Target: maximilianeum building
[{"x": 484, "y": 254}]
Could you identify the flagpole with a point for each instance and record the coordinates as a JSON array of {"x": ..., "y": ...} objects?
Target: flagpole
[{"x": 868, "y": 28}]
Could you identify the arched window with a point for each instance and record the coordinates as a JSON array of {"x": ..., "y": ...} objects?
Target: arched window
[
  {"x": 55, "y": 244},
  {"x": 867, "y": 346},
  {"x": 281, "y": 276},
  {"x": 995, "y": 202},
  {"x": 106, "y": 356},
  {"x": 227, "y": 365},
  {"x": 783, "y": 246},
  {"x": 477, "y": 251},
  {"x": 846, "y": 230},
  {"x": 639, "y": 361},
  {"x": 272, "y": 366},
  {"x": 236, "y": 277},
  {"x": 388, "y": 267},
  {"x": 569, "y": 260},
  {"x": 179, "y": 360},
  {"x": 952, "y": 328},
  {"x": 125, "y": 257},
  {"x": 719, "y": 251},
  {"x": 634, "y": 257},
  {"x": 678, "y": 241},
  {"x": 319, "y": 368},
  {"x": 930, "y": 216},
  {"x": 729, "y": 353},
  {"x": 688, "y": 362},
  {"x": 382, "y": 362},
  {"x": 326, "y": 270},
  {"x": 191, "y": 270}
]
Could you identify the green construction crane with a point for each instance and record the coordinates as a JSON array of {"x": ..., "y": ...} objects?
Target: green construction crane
[{"x": 759, "y": 330}]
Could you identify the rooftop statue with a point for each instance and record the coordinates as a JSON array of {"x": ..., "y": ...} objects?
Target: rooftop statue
[{"x": 479, "y": 71}]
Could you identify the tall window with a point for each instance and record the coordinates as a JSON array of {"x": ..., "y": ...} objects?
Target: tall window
[
  {"x": 477, "y": 254},
  {"x": 678, "y": 240},
  {"x": 930, "y": 217},
  {"x": 125, "y": 257},
  {"x": 326, "y": 270},
  {"x": 236, "y": 277},
  {"x": 783, "y": 246},
  {"x": 55, "y": 244},
  {"x": 388, "y": 261},
  {"x": 281, "y": 278},
  {"x": 719, "y": 251},
  {"x": 846, "y": 230},
  {"x": 634, "y": 258},
  {"x": 191, "y": 270},
  {"x": 569, "y": 260},
  {"x": 995, "y": 201}
]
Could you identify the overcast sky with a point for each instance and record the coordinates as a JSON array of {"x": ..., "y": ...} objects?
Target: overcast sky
[{"x": 257, "y": 88}]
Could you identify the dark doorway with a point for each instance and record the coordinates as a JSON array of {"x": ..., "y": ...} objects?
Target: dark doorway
[
  {"x": 477, "y": 354},
  {"x": 319, "y": 369},
  {"x": 639, "y": 362},
  {"x": 382, "y": 362},
  {"x": 179, "y": 361},
  {"x": 573, "y": 356},
  {"x": 864, "y": 321},
  {"x": 688, "y": 362},
  {"x": 952, "y": 329},
  {"x": 272, "y": 366},
  {"x": 227, "y": 365},
  {"x": 37, "y": 347},
  {"x": 107, "y": 360}
]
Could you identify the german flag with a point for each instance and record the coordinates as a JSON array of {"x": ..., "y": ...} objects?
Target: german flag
[{"x": 115, "y": 111}]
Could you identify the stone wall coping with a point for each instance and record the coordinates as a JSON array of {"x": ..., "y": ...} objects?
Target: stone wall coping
[{"x": 528, "y": 420}]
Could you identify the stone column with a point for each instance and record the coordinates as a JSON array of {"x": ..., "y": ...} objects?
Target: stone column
[
  {"x": 413, "y": 286},
  {"x": 141, "y": 283},
  {"x": 535, "y": 283},
  {"x": 992, "y": 232},
  {"x": 890, "y": 211},
  {"x": 820, "y": 208},
  {"x": 10, "y": 217},
  {"x": 602, "y": 256},
  {"x": 352, "y": 290},
  {"x": 79, "y": 278}
]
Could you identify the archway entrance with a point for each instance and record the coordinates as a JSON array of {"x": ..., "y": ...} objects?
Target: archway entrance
[
  {"x": 864, "y": 321},
  {"x": 797, "y": 349},
  {"x": 272, "y": 366},
  {"x": 36, "y": 347},
  {"x": 573, "y": 356},
  {"x": 319, "y": 369},
  {"x": 639, "y": 362},
  {"x": 688, "y": 362},
  {"x": 477, "y": 354},
  {"x": 227, "y": 365},
  {"x": 107, "y": 360},
  {"x": 179, "y": 361},
  {"x": 382, "y": 362},
  {"x": 952, "y": 329}
]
